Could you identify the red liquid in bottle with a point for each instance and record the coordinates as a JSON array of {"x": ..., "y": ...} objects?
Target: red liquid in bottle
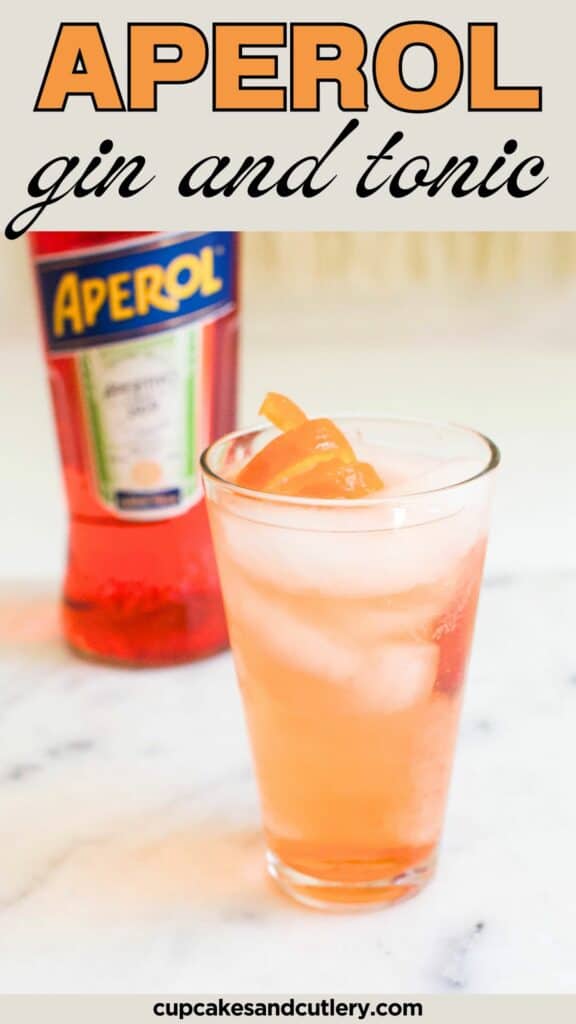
[{"x": 141, "y": 344}]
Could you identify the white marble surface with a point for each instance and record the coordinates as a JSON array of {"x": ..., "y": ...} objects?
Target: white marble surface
[
  {"x": 130, "y": 855},
  {"x": 131, "y": 860}
]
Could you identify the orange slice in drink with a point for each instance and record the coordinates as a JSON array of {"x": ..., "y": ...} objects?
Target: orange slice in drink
[
  {"x": 297, "y": 451},
  {"x": 333, "y": 479},
  {"x": 310, "y": 459}
]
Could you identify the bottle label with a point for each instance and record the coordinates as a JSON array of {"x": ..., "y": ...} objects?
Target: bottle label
[{"x": 134, "y": 319}]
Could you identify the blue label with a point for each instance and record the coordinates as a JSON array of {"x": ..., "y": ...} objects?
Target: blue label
[
  {"x": 99, "y": 298},
  {"x": 137, "y": 501}
]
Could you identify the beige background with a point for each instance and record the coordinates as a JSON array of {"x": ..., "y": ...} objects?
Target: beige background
[
  {"x": 536, "y": 47},
  {"x": 436, "y": 1009},
  {"x": 381, "y": 265}
]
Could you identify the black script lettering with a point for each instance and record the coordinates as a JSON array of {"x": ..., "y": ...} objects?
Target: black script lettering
[
  {"x": 256, "y": 172},
  {"x": 461, "y": 176},
  {"x": 48, "y": 188},
  {"x": 364, "y": 188}
]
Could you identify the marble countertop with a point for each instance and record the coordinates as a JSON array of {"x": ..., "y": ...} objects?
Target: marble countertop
[
  {"x": 131, "y": 857},
  {"x": 132, "y": 861}
]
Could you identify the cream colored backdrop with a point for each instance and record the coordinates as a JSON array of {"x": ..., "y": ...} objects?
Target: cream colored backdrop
[
  {"x": 381, "y": 263},
  {"x": 374, "y": 264}
]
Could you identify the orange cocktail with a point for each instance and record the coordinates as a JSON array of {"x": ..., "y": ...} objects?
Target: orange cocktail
[{"x": 351, "y": 562}]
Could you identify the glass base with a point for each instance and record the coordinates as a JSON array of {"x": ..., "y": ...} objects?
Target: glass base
[{"x": 328, "y": 894}]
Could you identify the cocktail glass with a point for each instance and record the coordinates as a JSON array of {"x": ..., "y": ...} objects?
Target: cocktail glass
[{"x": 351, "y": 624}]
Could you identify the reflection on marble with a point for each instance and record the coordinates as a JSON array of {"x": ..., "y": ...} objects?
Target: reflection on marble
[{"x": 132, "y": 861}]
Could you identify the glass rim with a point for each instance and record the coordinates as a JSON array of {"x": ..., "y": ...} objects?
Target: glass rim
[{"x": 492, "y": 463}]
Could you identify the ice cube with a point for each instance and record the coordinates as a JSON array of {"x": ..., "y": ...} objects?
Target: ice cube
[
  {"x": 379, "y": 676},
  {"x": 397, "y": 676},
  {"x": 445, "y": 473},
  {"x": 410, "y": 616},
  {"x": 274, "y": 627},
  {"x": 419, "y": 820},
  {"x": 373, "y": 560}
]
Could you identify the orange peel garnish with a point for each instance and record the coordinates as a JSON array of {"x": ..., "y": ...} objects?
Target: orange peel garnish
[
  {"x": 297, "y": 451},
  {"x": 310, "y": 459},
  {"x": 333, "y": 479},
  {"x": 282, "y": 411}
]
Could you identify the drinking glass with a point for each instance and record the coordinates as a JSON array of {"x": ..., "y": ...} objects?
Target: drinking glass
[{"x": 351, "y": 624}]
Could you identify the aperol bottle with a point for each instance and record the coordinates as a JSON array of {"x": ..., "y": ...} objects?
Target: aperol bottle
[{"x": 140, "y": 337}]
